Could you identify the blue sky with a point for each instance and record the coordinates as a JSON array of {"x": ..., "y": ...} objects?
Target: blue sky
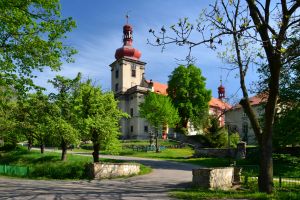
[{"x": 99, "y": 34}]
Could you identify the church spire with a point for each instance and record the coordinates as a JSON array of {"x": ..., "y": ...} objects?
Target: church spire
[
  {"x": 221, "y": 90},
  {"x": 127, "y": 49}
]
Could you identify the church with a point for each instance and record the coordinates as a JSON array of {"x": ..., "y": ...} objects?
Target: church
[{"x": 130, "y": 86}]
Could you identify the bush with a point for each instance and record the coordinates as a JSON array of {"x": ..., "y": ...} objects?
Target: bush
[
  {"x": 234, "y": 139},
  {"x": 62, "y": 170}
]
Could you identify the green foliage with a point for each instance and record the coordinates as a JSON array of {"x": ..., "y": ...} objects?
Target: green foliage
[
  {"x": 186, "y": 88},
  {"x": 234, "y": 139},
  {"x": 62, "y": 130},
  {"x": 217, "y": 136},
  {"x": 48, "y": 165},
  {"x": 39, "y": 114},
  {"x": 7, "y": 111},
  {"x": 65, "y": 119},
  {"x": 99, "y": 115},
  {"x": 286, "y": 127},
  {"x": 31, "y": 35},
  {"x": 159, "y": 110}
]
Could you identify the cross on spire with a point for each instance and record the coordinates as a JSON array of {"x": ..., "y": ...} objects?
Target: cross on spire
[{"x": 127, "y": 17}]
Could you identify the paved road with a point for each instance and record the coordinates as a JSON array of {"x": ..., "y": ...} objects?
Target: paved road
[{"x": 155, "y": 186}]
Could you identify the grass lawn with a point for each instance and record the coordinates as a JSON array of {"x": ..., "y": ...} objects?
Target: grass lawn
[
  {"x": 192, "y": 194},
  {"x": 49, "y": 165},
  {"x": 286, "y": 166}
]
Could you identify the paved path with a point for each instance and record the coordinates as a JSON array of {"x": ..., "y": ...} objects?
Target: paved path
[{"x": 166, "y": 175}]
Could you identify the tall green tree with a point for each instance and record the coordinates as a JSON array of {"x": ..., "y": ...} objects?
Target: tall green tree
[
  {"x": 158, "y": 110},
  {"x": 246, "y": 25},
  {"x": 31, "y": 38},
  {"x": 8, "y": 109},
  {"x": 41, "y": 113},
  {"x": 67, "y": 117},
  {"x": 99, "y": 116},
  {"x": 186, "y": 88}
]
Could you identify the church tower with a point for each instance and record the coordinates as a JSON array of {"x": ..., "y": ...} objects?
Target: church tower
[
  {"x": 127, "y": 70},
  {"x": 129, "y": 85}
]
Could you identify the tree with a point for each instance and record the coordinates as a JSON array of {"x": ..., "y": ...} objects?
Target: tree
[
  {"x": 286, "y": 128},
  {"x": 186, "y": 88},
  {"x": 99, "y": 116},
  {"x": 248, "y": 24},
  {"x": 41, "y": 113},
  {"x": 31, "y": 37},
  {"x": 285, "y": 123},
  {"x": 64, "y": 127},
  {"x": 8, "y": 108},
  {"x": 158, "y": 110}
]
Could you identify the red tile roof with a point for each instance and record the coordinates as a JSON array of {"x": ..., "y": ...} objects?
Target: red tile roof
[
  {"x": 255, "y": 100},
  {"x": 160, "y": 88},
  {"x": 217, "y": 103}
]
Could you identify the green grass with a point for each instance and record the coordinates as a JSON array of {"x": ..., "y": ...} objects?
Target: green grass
[
  {"x": 167, "y": 154},
  {"x": 192, "y": 194},
  {"x": 49, "y": 165}
]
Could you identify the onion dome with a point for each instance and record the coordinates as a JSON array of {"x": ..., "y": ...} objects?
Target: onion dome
[{"x": 127, "y": 49}]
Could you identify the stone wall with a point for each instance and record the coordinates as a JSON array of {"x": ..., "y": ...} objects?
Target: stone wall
[
  {"x": 215, "y": 178},
  {"x": 215, "y": 152},
  {"x": 111, "y": 170}
]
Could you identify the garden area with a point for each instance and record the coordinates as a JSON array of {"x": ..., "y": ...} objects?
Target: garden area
[{"x": 20, "y": 162}]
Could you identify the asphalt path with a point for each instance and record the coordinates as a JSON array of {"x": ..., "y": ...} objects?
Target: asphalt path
[{"x": 166, "y": 175}]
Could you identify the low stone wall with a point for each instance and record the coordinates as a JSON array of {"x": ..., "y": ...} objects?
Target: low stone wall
[
  {"x": 215, "y": 152},
  {"x": 111, "y": 170},
  {"x": 214, "y": 178}
]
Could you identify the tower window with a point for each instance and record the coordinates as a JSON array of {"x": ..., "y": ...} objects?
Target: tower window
[
  {"x": 116, "y": 87},
  {"x": 131, "y": 129},
  {"x": 146, "y": 129},
  {"x": 133, "y": 70},
  {"x": 131, "y": 112},
  {"x": 133, "y": 73},
  {"x": 117, "y": 74}
]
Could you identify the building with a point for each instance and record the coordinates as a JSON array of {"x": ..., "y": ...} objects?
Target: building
[
  {"x": 237, "y": 121},
  {"x": 130, "y": 86}
]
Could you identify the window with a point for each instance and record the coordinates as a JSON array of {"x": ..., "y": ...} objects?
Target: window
[
  {"x": 117, "y": 74},
  {"x": 131, "y": 112},
  {"x": 245, "y": 132},
  {"x": 146, "y": 129},
  {"x": 133, "y": 73},
  {"x": 116, "y": 87},
  {"x": 133, "y": 70},
  {"x": 131, "y": 129}
]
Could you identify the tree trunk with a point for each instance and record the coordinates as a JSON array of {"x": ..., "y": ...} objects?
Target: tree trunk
[
  {"x": 29, "y": 144},
  {"x": 265, "y": 179},
  {"x": 96, "y": 147},
  {"x": 156, "y": 140},
  {"x": 64, "y": 149},
  {"x": 42, "y": 147}
]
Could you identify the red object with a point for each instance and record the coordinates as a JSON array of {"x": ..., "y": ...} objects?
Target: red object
[
  {"x": 221, "y": 91},
  {"x": 127, "y": 49}
]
